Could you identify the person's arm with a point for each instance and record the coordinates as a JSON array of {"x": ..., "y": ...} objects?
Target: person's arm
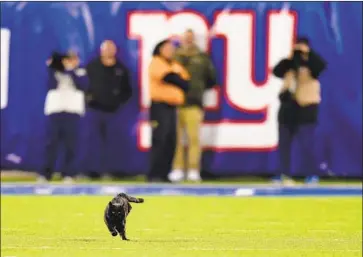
[
  {"x": 211, "y": 79},
  {"x": 179, "y": 69},
  {"x": 52, "y": 81},
  {"x": 316, "y": 64},
  {"x": 125, "y": 86},
  {"x": 89, "y": 70},
  {"x": 281, "y": 68},
  {"x": 178, "y": 76},
  {"x": 285, "y": 92},
  {"x": 161, "y": 91},
  {"x": 80, "y": 78},
  {"x": 175, "y": 79}
]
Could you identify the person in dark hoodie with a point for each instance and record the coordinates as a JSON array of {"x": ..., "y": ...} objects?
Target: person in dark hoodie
[
  {"x": 109, "y": 89},
  {"x": 300, "y": 99},
  {"x": 64, "y": 106},
  {"x": 168, "y": 85}
]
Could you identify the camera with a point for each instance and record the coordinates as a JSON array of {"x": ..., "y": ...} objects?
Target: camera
[
  {"x": 56, "y": 61},
  {"x": 62, "y": 62},
  {"x": 298, "y": 59}
]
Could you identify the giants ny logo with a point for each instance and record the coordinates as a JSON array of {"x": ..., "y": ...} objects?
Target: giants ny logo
[{"x": 244, "y": 110}]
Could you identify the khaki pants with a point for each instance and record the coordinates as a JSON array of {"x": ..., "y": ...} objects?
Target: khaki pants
[{"x": 189, "y": 123}]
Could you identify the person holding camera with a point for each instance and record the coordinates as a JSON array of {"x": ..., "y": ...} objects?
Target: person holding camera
[
  {"x": 300, "y": 98},
  {"x": 64, "y": 106}
]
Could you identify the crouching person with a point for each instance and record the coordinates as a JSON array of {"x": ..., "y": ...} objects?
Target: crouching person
[
  {"x": 64, "y": 106},
  {"x": 168, "y": 84}
]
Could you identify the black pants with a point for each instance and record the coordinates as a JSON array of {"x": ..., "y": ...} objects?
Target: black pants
[
  {"x": 163, "y": 121},
  {"x": 286, "y": 136},
  {"x": 62, "y": 129},
  {"x": 303, "y": 131},
  {"x": 101, "y": 130}
]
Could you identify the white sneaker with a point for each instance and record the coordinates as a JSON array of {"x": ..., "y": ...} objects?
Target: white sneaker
[
  {"x": 42, "y": 180},
  {"x": 68, "y": 180},
  {"x": 176, "y": 176},
  {"x": 194, "y": 176}
]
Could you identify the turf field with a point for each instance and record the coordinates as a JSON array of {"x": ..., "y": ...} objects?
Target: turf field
[{"x": 72, "y": 226}]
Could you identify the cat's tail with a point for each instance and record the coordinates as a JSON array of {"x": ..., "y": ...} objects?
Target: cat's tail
[
  {"x": 131, "y": 199},
  {"x": 140, "y": 200}
]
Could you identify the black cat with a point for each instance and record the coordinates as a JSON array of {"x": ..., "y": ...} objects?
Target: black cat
[{"x": 116, "y": 213}]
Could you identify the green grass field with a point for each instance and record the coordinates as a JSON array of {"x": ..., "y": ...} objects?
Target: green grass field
[{"x": 55, "y": 226}]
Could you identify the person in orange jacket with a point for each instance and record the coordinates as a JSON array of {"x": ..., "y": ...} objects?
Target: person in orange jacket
[{"x": 168, "y": 82}]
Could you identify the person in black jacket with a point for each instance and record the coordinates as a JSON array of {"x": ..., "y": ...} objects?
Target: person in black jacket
[
  {"x": 300, "y": 98},
  {"x": 109, "y": 89}
]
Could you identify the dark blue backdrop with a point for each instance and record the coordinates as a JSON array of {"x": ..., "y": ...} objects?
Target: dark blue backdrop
[{"x": 39, "y": 28}]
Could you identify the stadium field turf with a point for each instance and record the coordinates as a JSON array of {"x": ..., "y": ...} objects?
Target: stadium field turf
[{"x": 175, "y": 226}]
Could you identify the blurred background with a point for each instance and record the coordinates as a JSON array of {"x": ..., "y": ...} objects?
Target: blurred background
[{"x": 244, "y": 39}]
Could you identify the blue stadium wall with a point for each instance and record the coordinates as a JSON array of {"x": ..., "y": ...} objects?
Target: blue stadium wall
[{"x": 245, "y": 40}]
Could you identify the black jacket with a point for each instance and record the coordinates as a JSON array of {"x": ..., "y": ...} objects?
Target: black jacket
[
  {"x": 290, "y": 113},
  {"x": 173, "y": 78},
  {"x": 109, "y": 86},
  {"x": 315, "y": 63},
  {"x": 287, "y": 114},
  {"x": 288, "y": 107}
]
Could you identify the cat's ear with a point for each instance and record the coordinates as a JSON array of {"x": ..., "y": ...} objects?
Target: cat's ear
[{"x": 110, "y": 204}]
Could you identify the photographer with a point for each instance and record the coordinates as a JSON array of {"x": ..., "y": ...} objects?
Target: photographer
[
  {"x": 64, "y": 106},
  {"x": 300, "y": 99}
]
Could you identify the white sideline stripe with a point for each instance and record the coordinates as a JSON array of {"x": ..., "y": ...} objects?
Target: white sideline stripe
[
  {"x": 262, "y": 185},
  {"x": 182, "y": 249}
]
